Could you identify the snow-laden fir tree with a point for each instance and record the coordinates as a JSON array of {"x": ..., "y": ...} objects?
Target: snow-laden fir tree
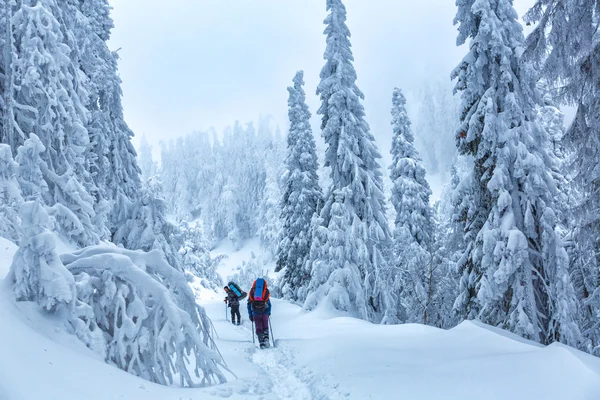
[
  {"x": 270, "y": 222},
  {"x": 348, "y": 264},
  {"x": 146, "y": 162},
  {"x": 30, "y": 176},
  {"x": 566, "y": 46},
  {"x": 416, "y": 278},
  {"x": 48, "y": 102},
  {"x": 302, "y": 195},
  {"x": 10, "y": 196},
  {"x": 515, "y": 267},
  {"x": 6, "y": 45},
  {"x": 111, "y": 155},
  {"x": 194, "y": 250},
  {"x": 37, "y": 272},
  {"x": 148, "y": 228}
]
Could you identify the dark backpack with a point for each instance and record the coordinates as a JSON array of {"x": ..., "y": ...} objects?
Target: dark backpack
[{"x": 237, "y": 291}]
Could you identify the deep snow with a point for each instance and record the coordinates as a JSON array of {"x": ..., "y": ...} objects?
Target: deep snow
[{"x": 320, "y": 355}]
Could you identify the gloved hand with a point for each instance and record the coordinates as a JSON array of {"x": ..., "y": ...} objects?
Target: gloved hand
[{"x": 251, "y": 318}]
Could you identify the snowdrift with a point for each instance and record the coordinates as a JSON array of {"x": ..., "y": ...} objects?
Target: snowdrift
[{"x": 320, "y": 355}]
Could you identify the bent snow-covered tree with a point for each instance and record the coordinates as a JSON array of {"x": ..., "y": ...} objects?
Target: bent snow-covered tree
[
  {"x": 301, "y": 198},
  {"x": 151, "y": 324},
  {"x": 37, "y": 272},
  {"x": 521, "y": 280},
  {"x": 414, "y": 274},
  {"x": 355, "y": 200}
]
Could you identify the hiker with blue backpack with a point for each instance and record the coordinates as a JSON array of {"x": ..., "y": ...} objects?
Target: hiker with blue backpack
[
  {"x": 234, "y": 295},
  {"x": 259, "y": 310}
]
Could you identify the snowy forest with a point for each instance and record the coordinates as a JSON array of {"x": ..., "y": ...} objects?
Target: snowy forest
[{"x": 110, "y": 238}]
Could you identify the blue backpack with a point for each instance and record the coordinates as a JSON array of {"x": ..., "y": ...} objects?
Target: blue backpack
[{"x": 236, "y": 290}]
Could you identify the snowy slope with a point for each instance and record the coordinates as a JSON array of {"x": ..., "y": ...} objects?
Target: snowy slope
[
  {"x": 320, "y": 355},
  {"x": 235, "y": 257}
]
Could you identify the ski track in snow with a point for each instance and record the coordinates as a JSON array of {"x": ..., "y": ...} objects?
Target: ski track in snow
[{"x": 281, "y": 379}]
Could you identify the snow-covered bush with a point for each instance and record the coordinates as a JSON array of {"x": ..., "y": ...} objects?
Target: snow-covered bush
[
  {"x": 151, "y": 324},
  {"x": 10, "y": 196},
  {"x": 195, "y": 255},
  {"x": 147, "y": 227},
  {"x": 37, "y": 272}
]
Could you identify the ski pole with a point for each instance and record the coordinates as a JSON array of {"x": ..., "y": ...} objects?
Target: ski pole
[
  {"x": 253, "y": 332},
  {"x": 226, "y": 317},
  {"x": 271, "y": 329}
]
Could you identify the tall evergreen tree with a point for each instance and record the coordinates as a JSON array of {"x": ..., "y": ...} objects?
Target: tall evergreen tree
[
  {"x": 515, "y": 268},
  {"x": 50, "y": 106},
  {"x": 302, "y": 194},
  {"x": 147, "y": 164},
  {"x": 110, "y": 155},
  {"x": 415, "y": 275},
  {"x": 354, "y": 234},
  {"x": 566, "y": 47}
]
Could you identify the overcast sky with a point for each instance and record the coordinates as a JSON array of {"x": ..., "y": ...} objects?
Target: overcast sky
[{"x": 195, "y": 64}]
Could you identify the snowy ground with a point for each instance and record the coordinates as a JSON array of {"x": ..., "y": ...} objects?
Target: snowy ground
[{"x": 320, "y": 355}]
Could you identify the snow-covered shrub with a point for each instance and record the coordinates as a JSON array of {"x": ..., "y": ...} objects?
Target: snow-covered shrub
[
  {"x": 195, "y": 255},
  {"x": 10, "y": 196},
  {"x": 147, "y": 227},
  {"x": 147, "y": 313},
  {"x": 37, "y": 272}
]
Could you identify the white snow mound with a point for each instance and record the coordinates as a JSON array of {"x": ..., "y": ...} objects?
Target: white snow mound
[{"x": 319, "y": 355}]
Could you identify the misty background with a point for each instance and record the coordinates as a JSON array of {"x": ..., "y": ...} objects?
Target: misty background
[{"x": 197, "y": 64}]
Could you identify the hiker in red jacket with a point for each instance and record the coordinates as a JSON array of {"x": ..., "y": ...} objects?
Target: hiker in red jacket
[{"x": 259, "y": 310}]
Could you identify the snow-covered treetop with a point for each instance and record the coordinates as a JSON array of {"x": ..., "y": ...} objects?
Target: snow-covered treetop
[
  {"x": 400, "y": 123},
  {"x": 410, "y": 191}
]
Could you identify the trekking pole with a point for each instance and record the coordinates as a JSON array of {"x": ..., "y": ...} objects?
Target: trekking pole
[
  {"x": 271, "y": 329},
  {"x": 253, "y": 332},
  {"x": 226, "y": 317}
]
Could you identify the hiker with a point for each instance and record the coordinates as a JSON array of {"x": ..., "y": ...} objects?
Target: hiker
[
  {"x": 233, "y": 302},
  {"x": 259, "y": 310}
]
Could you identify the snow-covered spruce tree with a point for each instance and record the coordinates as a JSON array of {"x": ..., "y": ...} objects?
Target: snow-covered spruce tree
[
  {"x": 6, "y": 39},
  {"x": 512, "y": 243},
  {"x": 148, "y": 229},
  {"x": 37, "y": 272},
  {"x": 111, "y": 154},
  {"x": 270, "y": 222},
  {"x": 151, "y": 325},
  {"x": 195, "y": 255},
  {"x": 147, "y": 164},
  {"x": 10, "y": 196},
  {"x": 30, "y": 175},
  {"x": 416, "y": 278},
  {"x": 449, "y": 242},
  {"x": 302, "y": 195},
  {"x": 49, "y": 105},
  {"x": 347, "y": 267},
  {"x": 566, "y": 46}
]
